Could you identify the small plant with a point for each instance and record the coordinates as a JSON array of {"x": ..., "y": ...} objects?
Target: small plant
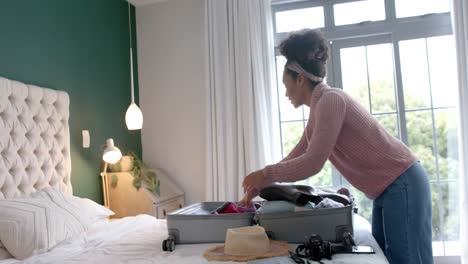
[{"x": 144, "y": 175}]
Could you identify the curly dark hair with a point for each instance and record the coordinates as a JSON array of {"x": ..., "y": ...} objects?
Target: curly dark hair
[{"x": 309, "y": 48}]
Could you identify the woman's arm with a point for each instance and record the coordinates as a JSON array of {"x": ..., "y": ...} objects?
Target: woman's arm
[
  {"x": 298, "y": 149},
  {"x": 329, "y": 118}
]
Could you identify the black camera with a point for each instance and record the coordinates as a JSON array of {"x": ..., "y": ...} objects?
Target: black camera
[{"x": 315, "y": 249}]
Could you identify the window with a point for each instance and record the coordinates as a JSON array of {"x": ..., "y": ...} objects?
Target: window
[
  {"x": 405, "y": 8},
  {"x": 360, "y": 11},
  {"x": 298, "y": 19},
  {"x": 429, "y": 83},
  {"x": 404, "y": 75}
]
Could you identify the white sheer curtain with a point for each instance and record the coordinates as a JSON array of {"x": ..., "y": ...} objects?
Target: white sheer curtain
[
  {"x": 241, "y": 133},
  {"x": 460, "y": 23}
]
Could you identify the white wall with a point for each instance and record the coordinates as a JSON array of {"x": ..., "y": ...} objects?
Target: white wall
[{"x": 172, "y": 61}]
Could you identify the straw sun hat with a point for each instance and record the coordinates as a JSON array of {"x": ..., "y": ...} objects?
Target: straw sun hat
[{"x": 247, "y": 243}]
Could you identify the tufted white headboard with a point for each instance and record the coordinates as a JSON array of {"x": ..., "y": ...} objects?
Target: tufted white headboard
[{"x": 34, "y": 139}]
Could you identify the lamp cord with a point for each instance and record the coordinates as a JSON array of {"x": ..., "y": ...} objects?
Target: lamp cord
[
  {"x": 131, "y": 53},
  {"x": 130, "y": 25}
]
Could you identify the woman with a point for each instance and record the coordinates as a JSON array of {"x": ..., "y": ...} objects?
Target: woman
[{"x": 341, "y": 130}]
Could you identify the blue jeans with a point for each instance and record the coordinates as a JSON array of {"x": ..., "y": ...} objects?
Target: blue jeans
[{"x": 402, "y": 218}]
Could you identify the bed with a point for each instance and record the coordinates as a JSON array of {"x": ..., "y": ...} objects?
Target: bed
[{"x": 35, "y": 148}]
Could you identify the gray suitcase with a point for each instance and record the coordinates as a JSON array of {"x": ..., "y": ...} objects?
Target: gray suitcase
[
  {"x": 332, "y": 224},
  {"x": 196, "y": 224}
]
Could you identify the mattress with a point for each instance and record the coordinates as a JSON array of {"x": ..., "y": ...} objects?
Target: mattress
[{"x": 138, "y": 240}]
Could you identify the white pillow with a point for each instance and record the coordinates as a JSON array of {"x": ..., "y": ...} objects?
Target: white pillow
[
  {"x": 95, "y": 211},
  {"x": 34, "y": 225}
]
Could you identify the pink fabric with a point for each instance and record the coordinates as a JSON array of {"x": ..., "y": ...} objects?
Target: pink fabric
[
  {"x": 235, "y": 209},
  {"x": 341, "y": 130},
  {"x": 230, "y": 209}
]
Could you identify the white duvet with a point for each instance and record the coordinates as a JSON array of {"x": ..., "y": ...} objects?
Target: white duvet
[{"x": 138, "y": 240}]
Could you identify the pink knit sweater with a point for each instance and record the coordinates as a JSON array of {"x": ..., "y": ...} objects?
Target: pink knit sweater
[{"x": 341, "y": 130}]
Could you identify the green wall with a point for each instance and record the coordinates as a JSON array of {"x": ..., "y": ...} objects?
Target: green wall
[{"x": 82, "y": 47}]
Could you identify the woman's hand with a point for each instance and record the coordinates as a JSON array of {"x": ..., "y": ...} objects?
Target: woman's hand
[
  {"x": 247, "y": 199},
  {"x": 252, "y": 184},
  {"x": 253, "y": 181}
]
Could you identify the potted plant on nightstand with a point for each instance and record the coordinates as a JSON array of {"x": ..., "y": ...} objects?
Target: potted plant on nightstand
[
  {"x": 144, "y": 176},
  {"x": 122, "y": 188}
]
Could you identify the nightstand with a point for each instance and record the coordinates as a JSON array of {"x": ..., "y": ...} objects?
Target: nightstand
[{"x": 125, "y": 200}]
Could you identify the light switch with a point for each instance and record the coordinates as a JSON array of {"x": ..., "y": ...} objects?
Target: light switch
[{"x": 86, "y": 140}]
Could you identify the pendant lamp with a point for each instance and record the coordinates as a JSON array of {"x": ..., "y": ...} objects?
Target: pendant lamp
[{"x": 133, "y": 116}]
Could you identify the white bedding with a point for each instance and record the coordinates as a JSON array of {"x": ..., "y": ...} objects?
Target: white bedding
[{"x": 138, "y": 240}]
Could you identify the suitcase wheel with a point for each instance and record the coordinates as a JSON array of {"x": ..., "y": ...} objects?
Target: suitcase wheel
[
  {"x": 168, "y": 245},
  {"x": 164, "y": 246}
]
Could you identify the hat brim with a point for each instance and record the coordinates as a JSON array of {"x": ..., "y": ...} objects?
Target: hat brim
[{"x": 277, "y": 248}]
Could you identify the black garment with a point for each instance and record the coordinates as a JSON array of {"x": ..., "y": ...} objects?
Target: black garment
[{"x": 301, "y": 194}]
